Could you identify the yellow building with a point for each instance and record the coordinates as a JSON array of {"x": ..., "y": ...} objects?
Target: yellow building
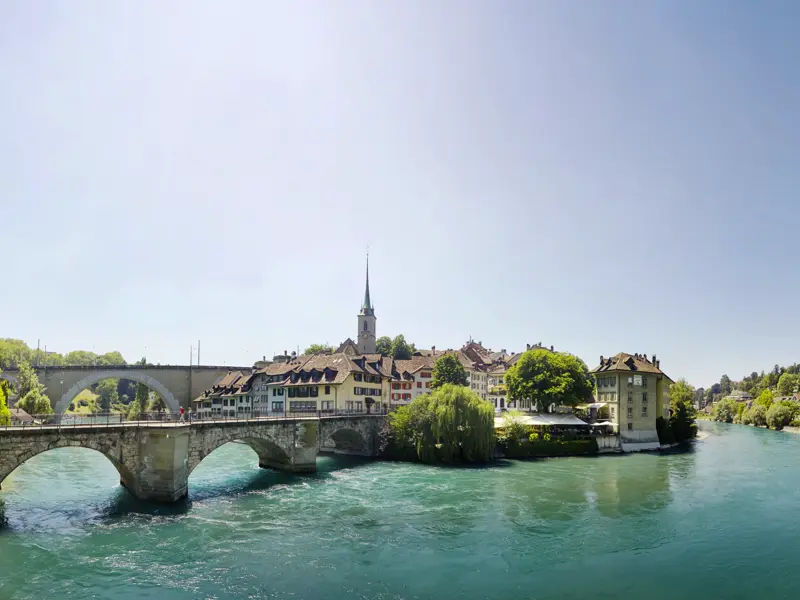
[
  {"x": 635, "y": 391},
  {"x": 339, "y": 382}
]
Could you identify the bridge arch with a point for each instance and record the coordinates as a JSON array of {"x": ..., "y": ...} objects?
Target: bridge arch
[
  {"x": 97, "y": 376},
  {"x": 14, "y": 461},
  {"x": 269, "y": 452},
  {"x": 346, "y": 440}
]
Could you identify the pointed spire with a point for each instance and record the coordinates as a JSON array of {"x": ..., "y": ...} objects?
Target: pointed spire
[{"x": 367, "y": 305}]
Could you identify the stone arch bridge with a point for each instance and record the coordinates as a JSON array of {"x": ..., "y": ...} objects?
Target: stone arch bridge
[
  {"x": 177, "y": 385},
  {"x": 154, "y": 459}
]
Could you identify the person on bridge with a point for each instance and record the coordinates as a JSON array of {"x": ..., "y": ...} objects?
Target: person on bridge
[{"x": 181, "y": 413}]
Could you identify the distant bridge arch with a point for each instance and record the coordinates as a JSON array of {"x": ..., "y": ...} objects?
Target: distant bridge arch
[{"x": 98, "y": 376}]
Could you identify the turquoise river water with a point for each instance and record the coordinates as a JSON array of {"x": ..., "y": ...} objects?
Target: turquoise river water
[{"x": 719, "y": 521}]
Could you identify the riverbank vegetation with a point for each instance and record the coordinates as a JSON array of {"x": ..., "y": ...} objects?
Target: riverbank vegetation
[
  {"x": 765, "y": 411},
  {"x": 5, "y": 413},
  {"x": 452, "y": 424}
]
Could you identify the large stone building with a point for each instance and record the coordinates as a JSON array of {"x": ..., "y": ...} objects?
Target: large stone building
[{"x": 635, "y": 391}]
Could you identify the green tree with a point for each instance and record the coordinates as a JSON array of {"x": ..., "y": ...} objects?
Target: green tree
[
  {"x": 725, "y": 385},
  {"x": 35, "y": 403},
  {"x": 755, "y": 415},
  {"x": 787, "y": 384},
  {"x": 400, "y": 349},
  {"x": 107, "y": 390},
  {"x": 384, "y": 345},
  {"x": 450, "y": 425},
  {"x": 448, "y": 370},
  {"x": 28, "y": 381},
  {"x": 725, "y": 410},
  {"x": 5, "y": 413},
  {"x": 682, "y": 421},
  {"x": 318, "y": 349},
  {"x": 765, "y": 399},
  {"x": 13, "y": 352},
  {"x": 740, "y": 408},
  {"x": 778, "y": 416},
  {"x": 111, "y": 358},
  {"x": 157, "y": 404},
  {"x": 545, "y": 378},
  {"x": 81, "y": 358}
]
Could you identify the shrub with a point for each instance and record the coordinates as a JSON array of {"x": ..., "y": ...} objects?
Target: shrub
[
  {"x": 665, "y": 435},
  {"x": 552, "y": 448},
  {"x": 724, "y": 411},
  {"x": 755, "y": 415},
  {"x": 778, "y": 416}
]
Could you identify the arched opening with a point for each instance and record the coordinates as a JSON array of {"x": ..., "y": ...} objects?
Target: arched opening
[
  {"x": 346, "y": 441},
  {"x": 233, "y": 467},
  {"x": 78, "y": 400},
  {"x": 269, "y": 453},
  {"x": 60, "y": 485},
  {"x": 119, "y": 399}
]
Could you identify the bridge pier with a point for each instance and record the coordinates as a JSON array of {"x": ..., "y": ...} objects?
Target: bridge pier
[{"x": 161, "y": 471}]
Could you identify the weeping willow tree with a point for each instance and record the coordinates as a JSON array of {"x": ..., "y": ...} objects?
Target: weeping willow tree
[{"x": 450, "y": 425}]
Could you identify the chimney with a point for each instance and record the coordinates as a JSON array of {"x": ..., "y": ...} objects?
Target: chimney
[
  {"x": 551, "y": 348},
  {"x": 654, "y": 359},
  {"x": 480, "y": 343},
  {"x": 503, "y": 350},
  {"x": 602, "y": 360},
  {"x": 264, "y": 358},
  {"x": 433, "y": 350},
  {"x": 527, "y": 346}
]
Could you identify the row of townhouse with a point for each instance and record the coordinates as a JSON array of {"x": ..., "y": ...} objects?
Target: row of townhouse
[{"x": 338, "y": 382}]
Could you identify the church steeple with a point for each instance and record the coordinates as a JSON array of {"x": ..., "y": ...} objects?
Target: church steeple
[
  {"x": 366, "y": 322},
  {"x": 366, "y": 306}
]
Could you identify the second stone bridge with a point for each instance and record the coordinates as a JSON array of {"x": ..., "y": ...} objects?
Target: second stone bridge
[{"x": 154, "y": 460}]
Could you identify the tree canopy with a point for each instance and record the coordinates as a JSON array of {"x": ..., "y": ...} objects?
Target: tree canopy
[
  {"x": 450, "y": 425},
  {"x": 725, "y": 410},
  {"x": 5, "y": 413},
  {"x": 400, "y": 350},
  {"x": 384, "y": 345},
  {"x": 787, "y": 384},
  {"x": 109, "y": 396},
  {"x": 448, "y": 370},
  {"x": 778, "y": 416},
  {"x": 319, "y": 349},
  {"x": 545, "y": 378},
  {"x": 682, "y": 420}
]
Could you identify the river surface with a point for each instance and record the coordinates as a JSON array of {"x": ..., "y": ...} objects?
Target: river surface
[{"x": 719, "y": 521}]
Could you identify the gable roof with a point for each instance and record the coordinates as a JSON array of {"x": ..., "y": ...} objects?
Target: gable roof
[{"x": 629, "y": 363}]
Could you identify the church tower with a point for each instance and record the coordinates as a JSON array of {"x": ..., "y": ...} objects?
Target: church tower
[{"x": 366, "y": 322}]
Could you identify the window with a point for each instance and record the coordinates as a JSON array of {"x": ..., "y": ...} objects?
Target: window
[
  {"x": 630, "y": 412},
  {"x": 395, "y": 386},
  {"x": 348, "y": 406},
  {"x": 613, "y": 412},
  {"x": 358, "y": 377},
  {"x": 644, "y": 398},
  {"x": 274, "y": 391},
  {"x": 359, "y": 406},
  {"x": 644, "y": 411},
  {"x": 419, "y": 384},
  {"x": 327, "y": 390},
  {"x": 644, "y": 381},
  {"x": 630, "y": 381},
  {"x": 425, "y": 375},
  {"x": 326, "y": 405},
  {"x": 277, "y": 406},
  {"x": 365, "y": 326},
  {"x": 630, "y": 426},
  {"x": 630, "y": 398}
]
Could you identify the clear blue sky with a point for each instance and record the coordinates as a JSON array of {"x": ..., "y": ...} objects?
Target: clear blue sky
[{"x": 602, "y": 176}]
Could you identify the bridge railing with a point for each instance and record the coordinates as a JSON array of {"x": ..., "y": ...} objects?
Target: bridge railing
[{"x": 166, "y": 419}]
